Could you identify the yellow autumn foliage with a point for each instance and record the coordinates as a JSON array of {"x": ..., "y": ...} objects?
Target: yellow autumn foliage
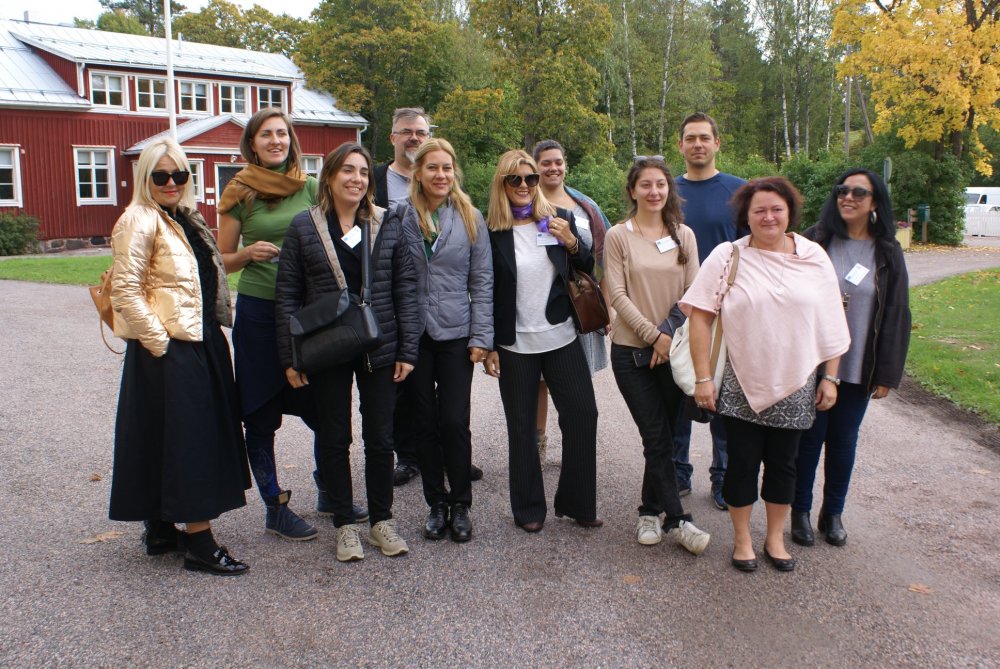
[{"x": 934, "y": 69}]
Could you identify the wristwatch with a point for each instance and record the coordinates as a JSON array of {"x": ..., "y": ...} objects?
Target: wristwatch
[{"x": 832, "y": 379}]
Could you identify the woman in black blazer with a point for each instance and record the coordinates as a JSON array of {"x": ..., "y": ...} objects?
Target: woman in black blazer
[{"x": 533, "y": 245}]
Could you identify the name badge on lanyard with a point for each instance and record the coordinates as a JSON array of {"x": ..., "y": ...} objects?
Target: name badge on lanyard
[
  {"x": 857, "y": 274},
  {"x": 353, "y": 237},
  {"x": 665, "y": 244}
]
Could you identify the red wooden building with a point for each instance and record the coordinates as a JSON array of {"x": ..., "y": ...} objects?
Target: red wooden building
[{"x": 77, "y": 107}]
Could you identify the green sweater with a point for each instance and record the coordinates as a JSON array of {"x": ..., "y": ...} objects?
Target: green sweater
[{"x": 258, "y": 278}]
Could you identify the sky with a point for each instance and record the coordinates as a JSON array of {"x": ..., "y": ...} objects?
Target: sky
[{"x": 63, "y": 11}]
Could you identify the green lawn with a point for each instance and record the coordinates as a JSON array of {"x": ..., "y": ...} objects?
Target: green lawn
[
  {"x": 71, "y": 270},
  {"x": 955, "y": 346}
]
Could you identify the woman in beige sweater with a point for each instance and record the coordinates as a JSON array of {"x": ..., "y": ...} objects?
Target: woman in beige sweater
[{"x": 650, "y": 260}]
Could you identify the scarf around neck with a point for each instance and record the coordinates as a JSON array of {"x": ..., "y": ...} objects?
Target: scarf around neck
[{"x": 262, "y": 184}]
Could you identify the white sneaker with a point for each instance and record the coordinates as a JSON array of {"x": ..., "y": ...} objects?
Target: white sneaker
[
  {"x": 383, "y": 534},
  {"x": 648, "y": 531},
  {"x": 690, "y": 537},
  {"x": 349, "y": 544}
]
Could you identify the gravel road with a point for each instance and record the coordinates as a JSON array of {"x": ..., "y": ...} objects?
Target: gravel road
[{"x": 917, "y": 586}]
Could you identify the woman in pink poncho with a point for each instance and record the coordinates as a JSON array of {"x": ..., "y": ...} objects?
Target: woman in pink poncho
[{"x": 784, "y": 326}]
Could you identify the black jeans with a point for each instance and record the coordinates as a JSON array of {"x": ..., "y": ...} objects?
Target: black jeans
[
  {"x": 439, "y": 390},
  {"x": 751, "y": 445},
  {"x": 566, "y": 373},
  {"x": 654, "y": 401},
  {"x": 333, "y": 437}
]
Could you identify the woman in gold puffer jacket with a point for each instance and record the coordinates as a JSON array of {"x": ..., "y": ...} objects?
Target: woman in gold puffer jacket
[{"x": 179, "y": 451}]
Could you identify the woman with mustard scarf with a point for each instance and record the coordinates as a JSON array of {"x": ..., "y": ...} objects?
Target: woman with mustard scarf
[{"x": 256, "y": 208}]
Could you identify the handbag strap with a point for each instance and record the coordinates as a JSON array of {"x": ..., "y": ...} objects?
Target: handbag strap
[
  {"x": 366, "y": 261},
  {"x": 323, "y": 230},
  {"x": 717, "y": 342}
]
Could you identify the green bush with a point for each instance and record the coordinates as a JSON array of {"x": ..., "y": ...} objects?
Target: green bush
[
  {"x": 18, "y": 234},
  {"x": 814, "y": 179},
  {"x": 603, "y": 181},
  {"x": 477, "y": 183}
]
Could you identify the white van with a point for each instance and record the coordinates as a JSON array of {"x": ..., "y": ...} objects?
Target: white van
[{"x": 982, "y": 211}]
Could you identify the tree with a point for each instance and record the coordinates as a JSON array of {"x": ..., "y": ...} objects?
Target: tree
[
  {"x": 120, "y": 22},
  {"x": 460, "y": 120},
  {"x": 149, "y": 13},
  {"x": 223, "y": 23},
  {"x": 548, "y": 49},
  {"x": 933, "y": 66},
  {"x": 375, "y": 55}
]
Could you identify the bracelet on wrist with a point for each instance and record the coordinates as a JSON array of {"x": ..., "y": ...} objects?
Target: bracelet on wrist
[
  {"x": 704, "y": 380},
  {"x": 832, "y": 379}
]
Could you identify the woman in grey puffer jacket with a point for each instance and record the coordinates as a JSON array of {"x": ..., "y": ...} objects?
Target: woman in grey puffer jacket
[
  {"x": 319, "y": 239},
  {"x": 450, "y": 247}
]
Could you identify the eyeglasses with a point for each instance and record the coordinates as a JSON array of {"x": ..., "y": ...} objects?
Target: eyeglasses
[
  {"x": 514, "y": 180},
  {"x": 180, "y": 177},
  {"x": 858, "y": 192},
  {"x": 419, "y": 134}
]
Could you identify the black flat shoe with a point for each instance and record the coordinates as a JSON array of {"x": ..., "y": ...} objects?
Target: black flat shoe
[
  {"x": 745, "y": 565},
  {"x": 778, "y": 563},
  {"x": 596, "y": 522},
  {"x": 437, "y": 522},
  {"x": 477, "y": 473},
  {"x": 832, "y": 529},
  {"x": 802, "y": 531},
  {"x": 221, "y": 563},
  {"x": 461, "y": 524},
  {"x": 532, "y": 527}
]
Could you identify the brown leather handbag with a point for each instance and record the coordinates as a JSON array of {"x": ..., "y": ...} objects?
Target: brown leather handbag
[
  {"x": 101, "y": 295},
  {"x": 589, "y": 309}
]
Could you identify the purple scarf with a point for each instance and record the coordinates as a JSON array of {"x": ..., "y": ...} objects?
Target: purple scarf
[{"x": 524, "y": 212}]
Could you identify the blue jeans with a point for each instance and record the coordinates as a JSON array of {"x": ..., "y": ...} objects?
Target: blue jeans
[
  {"x": 838, "y": 427},
  {"x": 682, "y": 450}
]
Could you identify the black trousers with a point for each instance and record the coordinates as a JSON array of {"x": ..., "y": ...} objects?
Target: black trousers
[
  {"x": 568, "y": 378},
  {"x": 439, "y": 390},
  {"x": 749, "y": 446},
  {"x": 333, "y": 437},
  {"x": 654, "y": 401},
  {"x": 403, "y": 442}
]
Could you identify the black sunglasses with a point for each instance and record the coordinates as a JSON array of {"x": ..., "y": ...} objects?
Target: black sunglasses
[
  {"x": 858, "y": 192},
  {"x": 514, "y": 180},
  {"x": 180, "y": 177}
]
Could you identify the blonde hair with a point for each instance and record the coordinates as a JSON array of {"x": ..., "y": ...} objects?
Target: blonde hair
[
  {"x": 500, "y": 216},
  {"x": 148, "y": 159},
  {"x": 459, "y": 199}
]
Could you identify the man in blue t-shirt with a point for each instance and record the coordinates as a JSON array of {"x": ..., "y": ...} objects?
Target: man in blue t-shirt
[{"x": 706, "y": 192}]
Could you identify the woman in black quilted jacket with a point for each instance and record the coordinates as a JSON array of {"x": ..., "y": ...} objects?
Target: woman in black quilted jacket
[{"x": 321, "y": 253}]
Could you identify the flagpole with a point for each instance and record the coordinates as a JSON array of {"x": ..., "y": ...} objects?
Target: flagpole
[{"x": 171, "y": 105}]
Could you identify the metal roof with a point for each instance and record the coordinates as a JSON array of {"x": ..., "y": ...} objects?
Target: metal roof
[
  {"x": 189, "y": 130},
  {"x": 27, "y": 80}
]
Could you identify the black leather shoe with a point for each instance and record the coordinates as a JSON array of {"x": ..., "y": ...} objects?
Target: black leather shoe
[
  {"x": 787, "y": 564},
  {"x": 596, "y": 522},
  {"x": 162, "y": 537},
  {"x": 745, "y": 565},
  {"x": 403, "y": 474},
  {"x": 437, "y": 522},
  {"x": 802, "y": 531},
  {"x": 532, "y": 527},
  {"x": 461, "y": 524},
  {"x": 832, "y": 529},
  {"x": 477, "y": 473},
  {"x": 221, "y": 563}
]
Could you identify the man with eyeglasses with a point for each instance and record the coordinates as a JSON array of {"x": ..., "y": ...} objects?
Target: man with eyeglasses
[
  {"x": 705, "y": 192},
  {"x": 411, "y": 127}
]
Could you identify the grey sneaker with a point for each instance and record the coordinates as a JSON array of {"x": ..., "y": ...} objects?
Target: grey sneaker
[
  {"x": 383, "y": 534},
  {"x": 349, "y": 546},
  {"x": 690, "y": 537},
  {"x": 648, "y": 531}
]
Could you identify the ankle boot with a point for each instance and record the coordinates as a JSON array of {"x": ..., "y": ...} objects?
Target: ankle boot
[
  {"x": 833, "y": 529},
  {"x": 284, "y": 522},
  {"x": 802, "y": 531}
]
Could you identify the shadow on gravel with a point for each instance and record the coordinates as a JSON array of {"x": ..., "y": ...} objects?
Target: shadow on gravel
[{"x": 983, "y": 432}]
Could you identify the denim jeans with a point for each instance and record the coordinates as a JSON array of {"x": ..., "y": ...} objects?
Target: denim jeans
[
  {"x": 839, "y": 428},
  {"x": 654, "y": 401},
  {"x": 682, "y": 451}
]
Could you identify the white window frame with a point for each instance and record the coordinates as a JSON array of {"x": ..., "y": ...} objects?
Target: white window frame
[
  {"x": 198, "y": 179},
  {"x": 112, "y": 197},
  {"x": 270, "y": 89},
  {"x": 319, "y": 165},
  {"x": 247, "y": 100},
  {"x": 107, "y": 91},
  {"x": 15, "y": 160},
  {"x": 180, "y": 97},
  {"x": 152, "y": 94}
]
